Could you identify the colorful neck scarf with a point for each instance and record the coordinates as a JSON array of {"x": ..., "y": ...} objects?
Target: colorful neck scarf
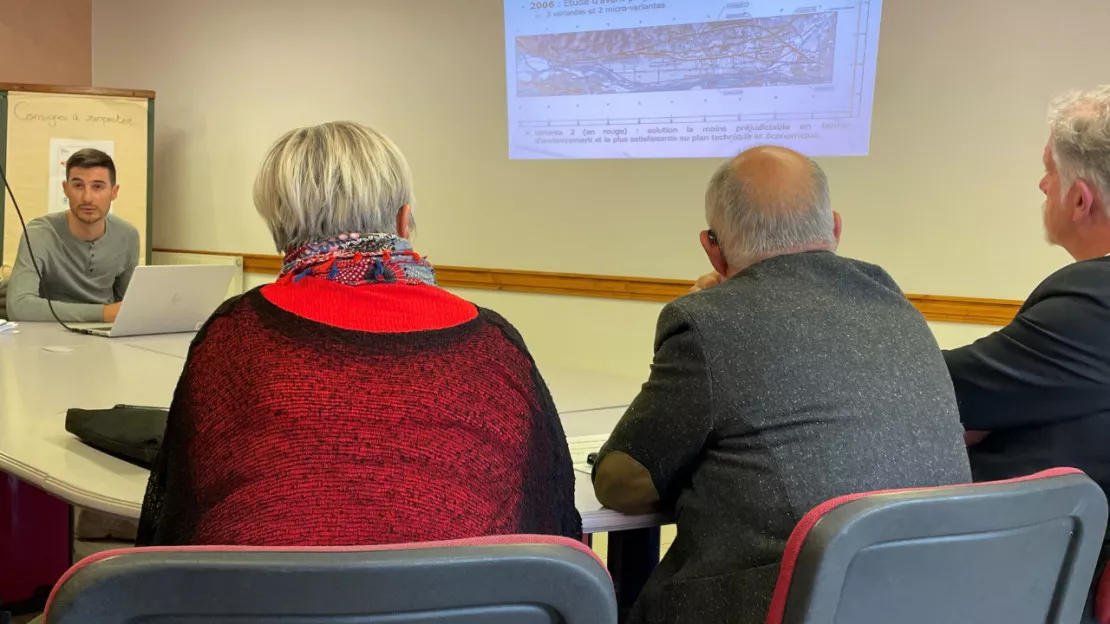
[{"x": 356, "y": 259}]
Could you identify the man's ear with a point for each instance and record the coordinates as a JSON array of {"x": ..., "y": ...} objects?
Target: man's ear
[
  {"x": 837, "y": 223},
  {"x": 115, "y": 192},
  {"x": 1081, "y": 200},
  {"x": 404, "y": 221},
  {"x": 714, "y": 253}
]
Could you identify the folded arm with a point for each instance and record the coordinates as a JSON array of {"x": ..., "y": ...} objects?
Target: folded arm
[
  {"x": 25, "y": 302},
  {"x": 655, "y": 446}
]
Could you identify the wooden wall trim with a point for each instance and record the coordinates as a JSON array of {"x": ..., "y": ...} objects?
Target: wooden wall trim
[
  {"x": 74, "y": 90},
  {"x": 939, "y": 308}
]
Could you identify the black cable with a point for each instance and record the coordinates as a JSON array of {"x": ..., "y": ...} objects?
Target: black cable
[{"x": 34, "y": 262}]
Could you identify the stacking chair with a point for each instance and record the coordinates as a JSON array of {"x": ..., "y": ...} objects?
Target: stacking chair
[
  {"x": 1021, "y": 551},
  {"x": 496, "y": 580}
]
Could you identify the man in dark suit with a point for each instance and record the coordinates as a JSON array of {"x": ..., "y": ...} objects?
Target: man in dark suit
[
  {"x": 792, "y": 377},
  {"x": 1036, "y": 394}
]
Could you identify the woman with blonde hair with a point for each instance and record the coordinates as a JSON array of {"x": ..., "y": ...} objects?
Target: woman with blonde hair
[{"x": 354, "y": 402}]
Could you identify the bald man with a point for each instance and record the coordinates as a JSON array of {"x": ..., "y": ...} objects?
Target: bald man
[{"x": 789, "y": 377}]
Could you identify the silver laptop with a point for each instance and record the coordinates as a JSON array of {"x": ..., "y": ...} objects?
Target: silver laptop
[{"x": 167, "y": 299}]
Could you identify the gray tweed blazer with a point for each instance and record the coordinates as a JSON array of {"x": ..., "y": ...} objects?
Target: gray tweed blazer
[{"x": 803, "y": 378}]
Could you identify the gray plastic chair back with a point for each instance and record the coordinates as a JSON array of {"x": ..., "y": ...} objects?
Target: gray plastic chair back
[
  {"x": 1013, "y": 552},
  {"x": 503, "y": 580}
]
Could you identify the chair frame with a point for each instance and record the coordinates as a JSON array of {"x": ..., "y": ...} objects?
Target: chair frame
[
  {"x": 470, "y": 576},
  {"x": 829, "y": 537}
]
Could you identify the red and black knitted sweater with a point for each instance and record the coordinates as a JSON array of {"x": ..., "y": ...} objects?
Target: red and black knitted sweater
[{"x": 321, "y": 414}]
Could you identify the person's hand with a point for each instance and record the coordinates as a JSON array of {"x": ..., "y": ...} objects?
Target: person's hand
[
  {"x": 707, "y": 281},
  {"x": 110, "y": 312}
]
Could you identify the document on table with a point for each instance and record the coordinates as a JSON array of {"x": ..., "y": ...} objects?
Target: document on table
[{"x": 581, "y": 447}]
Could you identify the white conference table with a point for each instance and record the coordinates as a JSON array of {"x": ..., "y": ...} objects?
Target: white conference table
[{"x": 45, "y": 370}]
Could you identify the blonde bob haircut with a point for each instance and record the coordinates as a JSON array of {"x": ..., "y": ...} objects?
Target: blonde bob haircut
[{"x": 336, "y": 178}]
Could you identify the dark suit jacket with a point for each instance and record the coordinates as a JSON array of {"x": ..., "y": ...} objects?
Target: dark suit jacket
[
  {"x": 1041, "y": 385},
  {"x": 803, "y": 378}
]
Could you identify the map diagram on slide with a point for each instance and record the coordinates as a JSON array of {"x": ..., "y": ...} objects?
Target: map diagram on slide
[{"x": 744, "y": 53}]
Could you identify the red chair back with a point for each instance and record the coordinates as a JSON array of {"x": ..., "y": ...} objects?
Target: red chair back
[{"x": 1009, "y": 552}]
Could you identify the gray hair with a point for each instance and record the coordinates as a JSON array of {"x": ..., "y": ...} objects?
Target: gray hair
[
  {"x": 749, "y": 229},
  {"x": 336, "y": 178},
  {"x": 1080, "y": 123}
]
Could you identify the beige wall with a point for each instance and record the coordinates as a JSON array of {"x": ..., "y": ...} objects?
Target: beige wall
[
  {"x": 46, "y": 41},
  {"x": 947, "y": 201}
]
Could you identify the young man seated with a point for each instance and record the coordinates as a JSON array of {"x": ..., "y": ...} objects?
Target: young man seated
[{"x": 86, "y": 256}]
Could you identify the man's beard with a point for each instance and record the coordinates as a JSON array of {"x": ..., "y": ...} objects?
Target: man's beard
[{"x": 1048, "y": 237}]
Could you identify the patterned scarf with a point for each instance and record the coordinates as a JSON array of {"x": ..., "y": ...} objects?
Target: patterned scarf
[{"x": 356, "y": 259}]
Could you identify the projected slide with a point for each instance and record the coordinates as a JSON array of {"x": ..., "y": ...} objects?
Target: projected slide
[{"x": 689, "y": 78}]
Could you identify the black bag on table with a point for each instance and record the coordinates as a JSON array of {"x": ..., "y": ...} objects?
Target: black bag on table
[{"x": 128, "y": 432}]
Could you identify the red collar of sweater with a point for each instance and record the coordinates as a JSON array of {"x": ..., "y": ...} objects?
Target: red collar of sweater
[{"x": 382, "y": 308}]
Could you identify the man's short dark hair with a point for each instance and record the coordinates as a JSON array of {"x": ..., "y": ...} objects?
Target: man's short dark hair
[{"x": 89, "y": 158}]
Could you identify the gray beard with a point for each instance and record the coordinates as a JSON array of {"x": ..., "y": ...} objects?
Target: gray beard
[{"x": 1047, "y": 234}]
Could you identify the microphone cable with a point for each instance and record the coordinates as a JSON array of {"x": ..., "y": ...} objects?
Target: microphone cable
[{"x": 34, "y": 262}]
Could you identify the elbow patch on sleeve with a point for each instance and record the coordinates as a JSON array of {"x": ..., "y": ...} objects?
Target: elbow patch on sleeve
[{"x": 624, "y": 484}]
